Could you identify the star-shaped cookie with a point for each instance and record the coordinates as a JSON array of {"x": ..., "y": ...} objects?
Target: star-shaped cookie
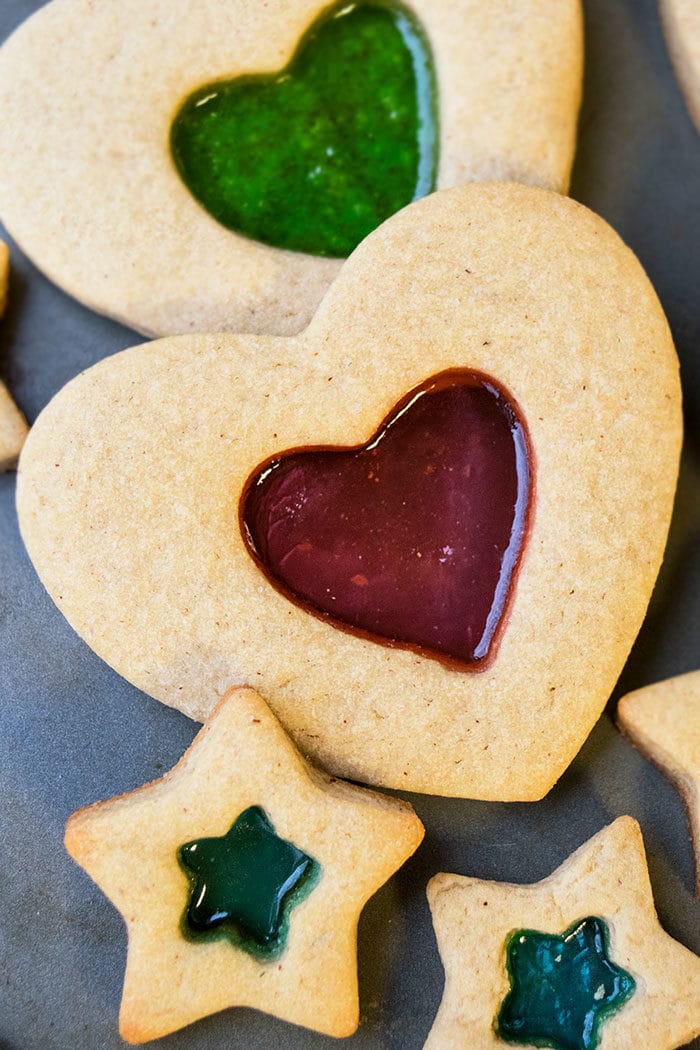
[
  {"x": 191, "y": 954},
  {"x": 663, "y": 720},
  {"x": 601, "y": 891},
  {"x": 13, "y": 427}
]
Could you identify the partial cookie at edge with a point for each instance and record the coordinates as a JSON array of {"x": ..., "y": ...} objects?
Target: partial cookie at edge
[
  {"x": 13, "y": 426},
  {"x": 133, "y": 243},
  {"x": 681, "y": 21},
  {"x": 663, "y": 721},
  {"x": 605, "y": 879}
]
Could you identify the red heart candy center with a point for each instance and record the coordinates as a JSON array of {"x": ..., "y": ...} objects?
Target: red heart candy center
[{"x": 413, "y": 539}]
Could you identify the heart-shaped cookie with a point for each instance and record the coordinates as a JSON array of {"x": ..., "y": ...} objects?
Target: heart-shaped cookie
[
  {"x": 131, "y": 484},
  {"x": 403, "y": 97}
]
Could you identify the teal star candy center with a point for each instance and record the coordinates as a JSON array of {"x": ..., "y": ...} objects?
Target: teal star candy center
[
  {"x": 562, "y": 987},
  {"x": 245, "y": 883}
]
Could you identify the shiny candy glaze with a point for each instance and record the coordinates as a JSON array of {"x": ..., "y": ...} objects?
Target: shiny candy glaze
[
  {"x": 244, "y": 884},
  {"x": 562, "y": 987},
  {"x": 413, "y": 539},
  {"x": 314, "y": 157}
]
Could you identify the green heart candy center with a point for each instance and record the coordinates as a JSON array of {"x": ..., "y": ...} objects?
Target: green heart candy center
[{"x": 314, "y": 157}]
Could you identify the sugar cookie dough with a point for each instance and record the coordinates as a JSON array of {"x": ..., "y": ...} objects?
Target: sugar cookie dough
[
  {"x": 131, "y": 486},
  {"x": 681, "y": 21},
  {"x": 590, "y": 964},
  {"x": 88, "y": 187},
  {"x": 663, "y": 720},
  {"x": 13, "y": 426},
  {"x": 241, "y": 875}
]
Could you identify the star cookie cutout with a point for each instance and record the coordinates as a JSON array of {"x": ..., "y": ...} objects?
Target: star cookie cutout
[
  {"x": 603, "y": 891},
  {"x": 245, "y": 881},
  {"x": 561, "y": 987},
  {"x": 663, "y": 721},
  {"x": 296, "y": 855}
]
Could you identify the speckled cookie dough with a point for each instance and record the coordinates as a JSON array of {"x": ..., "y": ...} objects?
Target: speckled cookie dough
[
  {"x": 663, "y": 720},
  {"x": 681, "y": 21},
  {"x": 88, "y": 186},
  {"x": 241, "y": 875},
  {"x": 131, "y": 483},
  {"x": 520, "y": 959}
]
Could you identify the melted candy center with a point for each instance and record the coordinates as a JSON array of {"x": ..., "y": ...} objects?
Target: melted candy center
[
  {"x": 245, "y": 884},
  {"x": 412, "y": 539},
  {"x": 563, "y": 988},
  {"x": 313, "y": 157}
]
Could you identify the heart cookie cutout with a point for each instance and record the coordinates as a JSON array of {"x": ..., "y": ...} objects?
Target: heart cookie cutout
[
  {"x": 130, "y": 486},
  {"x": 414, "y": 537},
  {"x": 314, "y": 157},
  {"x": 103, "y": 83}
]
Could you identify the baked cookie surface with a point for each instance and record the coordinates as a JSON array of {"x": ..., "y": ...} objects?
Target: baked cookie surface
[
  {"x": 240, "y": 828},
  {"x": 130, "y": 492},
  {"x": 117, "y": 227},
  {"x": 663, "y": 720},
  {"x": 681, "y": 21},
  {"x": 594, "y": 917}
]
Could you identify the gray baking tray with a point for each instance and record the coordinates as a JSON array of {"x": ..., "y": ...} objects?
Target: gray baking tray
[{"x": 72, "y": 731}]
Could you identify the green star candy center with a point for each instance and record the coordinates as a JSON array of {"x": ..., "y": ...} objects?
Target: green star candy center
[
  {"x": 562, "y": 988},
  {"x": 245, "y": 883}
]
